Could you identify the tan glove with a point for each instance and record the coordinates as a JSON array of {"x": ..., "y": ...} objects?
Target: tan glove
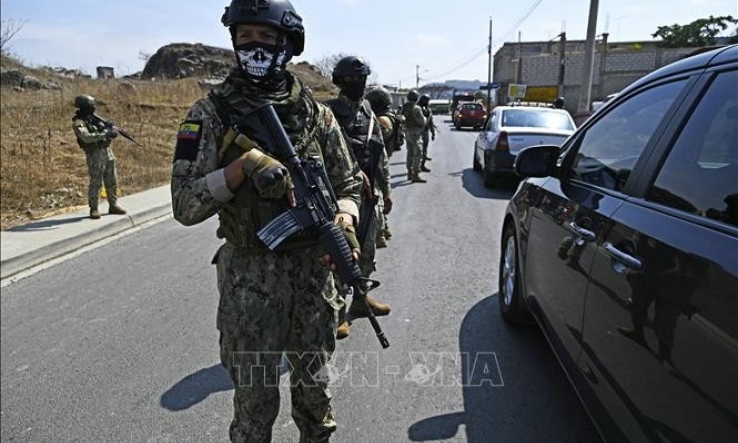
[
  {"x": 271, "y": 178},
  {"x": 350, "y": 233}
]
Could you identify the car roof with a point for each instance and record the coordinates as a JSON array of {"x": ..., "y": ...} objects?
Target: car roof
[{"x": 531, "y": 108}]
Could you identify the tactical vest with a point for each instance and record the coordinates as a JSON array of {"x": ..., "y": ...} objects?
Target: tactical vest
[
  {"x": 367, "y": 148},
  {"x": 244, "y": 215},
  {"x": 94, "y": 127}
]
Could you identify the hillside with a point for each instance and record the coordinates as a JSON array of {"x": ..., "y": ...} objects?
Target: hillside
[{"x": 43, "y": 171}]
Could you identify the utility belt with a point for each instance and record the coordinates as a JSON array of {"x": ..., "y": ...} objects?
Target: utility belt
[{"x": 239, "y": 225}]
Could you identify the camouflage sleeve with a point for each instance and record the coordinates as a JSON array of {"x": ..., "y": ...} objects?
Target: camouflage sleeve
[
  {"x": 342, "y": 170},
  {"x": 196, "y": 173},
  {"x": 418, "y": 116},
  {"x": 386, "y": 125},
  {"x": 383, "y": 176},
  {"x": 84, "y": 134}
]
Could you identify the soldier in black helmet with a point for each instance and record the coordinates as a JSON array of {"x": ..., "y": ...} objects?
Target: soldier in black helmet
[
  {"x": 364, "y": 135},
  {"x": 272, "y": 303},
  {"x": 415, "y": 122},
  {"x": 95, "y": 138},
  {"x": 559, "y": 103}
]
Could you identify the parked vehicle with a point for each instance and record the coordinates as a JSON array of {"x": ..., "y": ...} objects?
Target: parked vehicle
[
  {"x": 459, "y": 97},
  {"x": 622, "y": 246},
  {"x": 438, "y": 106},
  {"x": 470, "y": 114},
  {"x": 512, "y": 128}
]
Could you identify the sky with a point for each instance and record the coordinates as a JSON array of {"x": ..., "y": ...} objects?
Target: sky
[{"x": 435, "y": 40}]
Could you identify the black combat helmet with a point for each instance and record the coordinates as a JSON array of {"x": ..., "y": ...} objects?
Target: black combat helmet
[
  {"x": 85, "y": 103},
  {"x": 379, "y": 99},
  {"x": 423, "y": 100},
  {"x": 277, "y": 13},
  {"x": 349, "y": 67},
  {"x": 413, "y": 96},
  {"x": 559, "y": 103}
]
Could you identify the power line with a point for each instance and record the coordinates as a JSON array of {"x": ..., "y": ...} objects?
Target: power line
[{"x": 521, "y": 18}]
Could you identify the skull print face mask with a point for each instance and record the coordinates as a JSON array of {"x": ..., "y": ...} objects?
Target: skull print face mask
[{"x": 262, "y": 62}]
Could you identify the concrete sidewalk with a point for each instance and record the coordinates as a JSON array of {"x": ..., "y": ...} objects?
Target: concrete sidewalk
[{"x": 24, "y": 247}]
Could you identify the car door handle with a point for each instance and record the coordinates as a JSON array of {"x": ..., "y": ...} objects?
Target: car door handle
[
  {"x": 584, "y": 233},
  {"x": 622, "y": 257}
]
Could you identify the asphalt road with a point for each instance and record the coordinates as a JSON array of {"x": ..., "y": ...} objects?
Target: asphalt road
[{"x": 120, "y": 345}]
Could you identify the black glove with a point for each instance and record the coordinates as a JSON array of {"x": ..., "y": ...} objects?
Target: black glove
[{"x": 111, "y": 134}]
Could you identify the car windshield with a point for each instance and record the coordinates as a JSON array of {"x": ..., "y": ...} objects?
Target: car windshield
[{"x": 538, "y": 118}]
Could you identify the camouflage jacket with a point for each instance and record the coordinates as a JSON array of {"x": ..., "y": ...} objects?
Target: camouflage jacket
[
  {"x": 198, "y": 182},
  {"x": 90, "y": 134}
]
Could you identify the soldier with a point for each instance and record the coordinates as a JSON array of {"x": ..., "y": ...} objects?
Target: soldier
[
  {"x": 393, "y": 134},
  {"x": 364, "y": 135},
  {"x": 415, "y": 122},
  {"x": 271, "y": 302},
  {"x": 95, "y": 138},
  {"x": 428, "y": 130}
]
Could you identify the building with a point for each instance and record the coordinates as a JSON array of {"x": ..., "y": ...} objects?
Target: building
[{"x": 554, "y": 68}]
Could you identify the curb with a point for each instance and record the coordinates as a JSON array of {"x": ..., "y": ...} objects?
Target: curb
[{"x": 25, "y": 261}]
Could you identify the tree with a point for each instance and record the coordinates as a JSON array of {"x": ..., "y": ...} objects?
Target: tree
[
  {"x": 701, "y": 32},
  {"x": 8, "y": 30}
]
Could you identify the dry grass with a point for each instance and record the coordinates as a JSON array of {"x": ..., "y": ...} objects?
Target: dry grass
[{"x": 43, "y": 171}]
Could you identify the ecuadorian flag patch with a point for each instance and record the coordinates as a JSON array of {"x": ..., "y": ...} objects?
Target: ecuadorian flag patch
[
  {"x": 189, "y": 131},
  {"x": 188, "y": 140}
]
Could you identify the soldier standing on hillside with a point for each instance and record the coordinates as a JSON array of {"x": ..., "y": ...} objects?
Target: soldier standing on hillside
[
  {"x": 364, "y": 135},
  {"x": 95, "y": 138},
  {"x": 272, "y": 303},
  {"x": 429, "y": 131},
  {"x": 415, "y": 123}
]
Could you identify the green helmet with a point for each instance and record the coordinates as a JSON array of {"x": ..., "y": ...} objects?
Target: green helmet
[
  {"x": 413, "y": 96},
  {"x": 379, "y": 99},
  {"x": 85, "y": 102}
]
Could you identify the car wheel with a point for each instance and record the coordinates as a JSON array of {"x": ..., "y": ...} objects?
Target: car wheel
[
  {"x": 489, "y": 177},
  {"x": 512, "y": 306},
  {"x": 475, "y": 163}
]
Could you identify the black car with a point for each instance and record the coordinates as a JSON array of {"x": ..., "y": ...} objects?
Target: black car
[{"x": 622, "y": 245}]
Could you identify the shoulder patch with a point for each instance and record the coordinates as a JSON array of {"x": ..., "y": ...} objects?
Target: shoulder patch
[{"x": 188, "y": 140}]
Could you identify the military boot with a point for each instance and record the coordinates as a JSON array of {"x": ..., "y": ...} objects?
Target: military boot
[
  {"x": 387, "y": 233},
  {"x": 381, "y": 241},
  {"x": 358, "y": 307},
  {"x": 94, "y": 213},
  {"x": 416, "y": 178},
  {"x": 116, "y": 210},
  {"x": 343, "y": 329},
  {"x": 425, "y": 169}
]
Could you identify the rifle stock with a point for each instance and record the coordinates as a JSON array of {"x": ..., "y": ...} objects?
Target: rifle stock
[{"x": 313, "y": 209}]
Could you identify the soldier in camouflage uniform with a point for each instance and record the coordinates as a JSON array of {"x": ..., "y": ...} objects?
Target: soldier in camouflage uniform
[
  {"x": 364, "y": 136},
  {"x": 429, "y": 131},
  {"x": 95, "y": 139},
  {"x": 415, "y": 122},
  {"x": 381, "y": 102},
  {"x": 271, "y": 302}
]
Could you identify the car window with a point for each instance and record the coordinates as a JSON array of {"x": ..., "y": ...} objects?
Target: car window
[
  {"x": 536, "y": 119},
  {"x": 700, "y": 174},
  {"x": 608, "y": 149}
]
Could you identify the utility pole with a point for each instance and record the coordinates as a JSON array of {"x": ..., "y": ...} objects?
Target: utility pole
[
  {"x": 489, "y": 67},
  {"x": 585, "y": 92},
  {"x": 562, "y": 63},
  {"x": 417, "y": 76},
  {"x": 519, "y": 76}
]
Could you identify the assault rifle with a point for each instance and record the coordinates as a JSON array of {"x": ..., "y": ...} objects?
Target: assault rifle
[
  {"x": 111, "y": 125},
  {"x": 315, "y": 209}
]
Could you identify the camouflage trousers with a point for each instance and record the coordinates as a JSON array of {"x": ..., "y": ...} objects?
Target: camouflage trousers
[
  {"x": 101, "y": 168},
  {"x": 426, "y": 141},
  {"x": 369, "y": 246},
  {"x": 414, "y": 157},
  {"x": 276, "y": 304}
]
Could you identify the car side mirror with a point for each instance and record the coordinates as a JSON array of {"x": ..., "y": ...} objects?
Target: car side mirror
[{"x": 537, "y": 161}]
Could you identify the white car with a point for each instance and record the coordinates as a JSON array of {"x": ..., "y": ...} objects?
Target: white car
[{"x": 509, "y": 129}]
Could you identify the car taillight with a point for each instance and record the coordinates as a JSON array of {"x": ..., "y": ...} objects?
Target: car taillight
[{"x": 502, "y": 144}]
